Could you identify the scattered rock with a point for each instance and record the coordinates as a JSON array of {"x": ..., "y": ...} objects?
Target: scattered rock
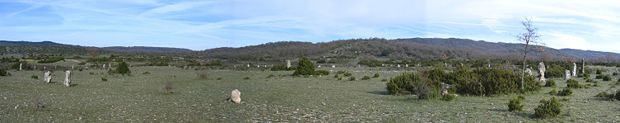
[{"x": 235, "y": 96}]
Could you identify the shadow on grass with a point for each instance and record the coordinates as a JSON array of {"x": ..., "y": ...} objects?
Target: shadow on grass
[{"x": 380, "y": 92}]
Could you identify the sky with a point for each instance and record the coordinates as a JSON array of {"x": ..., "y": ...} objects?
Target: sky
[{"x": 205, "y": 24}]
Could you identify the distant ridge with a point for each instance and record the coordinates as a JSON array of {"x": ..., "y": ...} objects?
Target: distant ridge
[{"x": 410, "y": 48}]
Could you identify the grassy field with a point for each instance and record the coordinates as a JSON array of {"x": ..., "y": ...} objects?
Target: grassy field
[{"x": 281, "y": 98}]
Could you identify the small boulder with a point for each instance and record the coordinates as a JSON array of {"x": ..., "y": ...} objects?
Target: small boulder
[{"x": 235, "y": 96}]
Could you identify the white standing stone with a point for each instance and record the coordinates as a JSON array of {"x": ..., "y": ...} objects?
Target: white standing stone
[
  {"x": 529, "y": 71},
  {"x": 567, "y": 74},
  {"x": 288, "y": 63},
  {"x": 235, "y": 96},
  {"x": 333, "y": 66},
  {"x": 574, "y": 69},
  {"x": 406, "y": 65},
  {"x": 541, "y": 70},
  {"x": 67, "y": 78},
  {"x": 398, "y": 65},
  {"x": 103, "y": 66},
  {"x": 248, "y": 65},
  {"x": 319, "y": 66},
  {"x": 20, "y": 66},
  {"x": 47, "y": 76}
]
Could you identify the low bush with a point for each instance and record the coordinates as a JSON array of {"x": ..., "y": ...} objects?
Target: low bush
[
  {"x": 352, "y": 78},
  {"x": 565, "y": 92},
  {"x": 617, "y": 96},
  {"x": 146, "y": 73},
  {"x": 347, "y": 74},
  {"x": 599, "y": 77},
  {"x": 219, "y": 78},
  {"x": 337, "y": 76},
  {"x": 590, "y": 81},
  {"x": 599, "y": 72},
  {"x": 571, "y": 83},
  {"x": 606, "y": 78},
  {"x": 548, "y": 108},
  {"x": 550, "y": 83},
  {"x": 376, "y": 75},
  {"x": 615, "y": 73},
  {"x": 553, "y": 92},
  {"x": 448, "y": 97},
  {"x": 384, "y": 80},
  {"x": 104, "y": 79},
  {"x": 516, "y": 104},
  {"x": 321, "y": 72},
  {"x": 34, "y": 77},
  {"x": 490, "y": 82},
  {"x": 366, "y": 78},
  {"x": 246, "y": 78},
  {"x": 409, "y": 83},
  {"x": 4, "y": 72}
]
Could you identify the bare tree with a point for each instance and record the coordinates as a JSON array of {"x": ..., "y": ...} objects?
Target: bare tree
[{"x": 528, "y": 37}]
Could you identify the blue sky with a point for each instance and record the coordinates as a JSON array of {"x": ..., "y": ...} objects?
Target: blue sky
[{"x": 198, "y": 25}]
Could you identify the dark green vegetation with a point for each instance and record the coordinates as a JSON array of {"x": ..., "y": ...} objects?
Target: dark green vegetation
[
  {"x": 516, "y": 104},
  {"x": 548, "y": 108}
]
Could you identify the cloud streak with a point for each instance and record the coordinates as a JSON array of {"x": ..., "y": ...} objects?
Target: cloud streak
[{"x": 591, "y": 25}]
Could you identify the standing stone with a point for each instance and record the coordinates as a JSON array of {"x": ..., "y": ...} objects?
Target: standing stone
[
  {"x": 72, "y": 67},
  {"x": 583, "y": 66},
  {"x": 47, "y": 76},
  {"x": 489, "y": 65},
  {"x": 20, "y": 66},
  {"x": 67, "y": 78},
  {"x": 333, "y": 66},
  {"x": 235, "y": 96},
  {"x": 103, "y": 66},
  {"x": 406, "y": 65},
  {"x": 567, "y": 74},
  {"x": 248, "y": 65},
  {"x": 319, "y": 66},
  {"x": 528, "y": 71},
  {"x": 44, "y": 67},
  {"x": 574, "y": 69},
  {"x": 398, "y": 65},
  {"x": 288, "y": 63},
  {"x": 541, "y": 70},
  {"x": 382, "y": 65}
]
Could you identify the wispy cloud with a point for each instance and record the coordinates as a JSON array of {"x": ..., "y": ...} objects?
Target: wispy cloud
[{"x": 200, "y": 25}]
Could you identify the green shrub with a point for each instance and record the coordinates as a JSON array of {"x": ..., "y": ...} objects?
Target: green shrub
[
  {"x": 565, "y": 92},
  {"x": 409, "y": 83},
  {"x": 246, "y": 78},
  {"x": 555, "y": 71},
  {"x": 599, "y": 77},
  {"x": 34, "y": 77},
  {"x": 618, "y": 96},
  {"x": 490, "y": 82},
  {"x": 122, "y": 68},
  {"x": 548, "y": 108},
  {"x": 586, "y": 76},
  {"x": 321, "y": 72},
  {"x": 305, "y": 67},
  {"x": 384, "y": 80},
  {"x": 606, "y": 78},
  {"x": 599, "y": 72},
  {"x": 104, "y": 79},
  {"x": 448, "y": 97},
  {"x": 590, "y": 80},
  {"x": 219, "y": 78},
  {"x": 365, "y": 78},
  {"x": 337, "y": 76},
  {"x": 347, "y": 74},
  {"x": 550, "y": 83},
  {"x": 553, "y": 92},
  {"x": 571, "y": 83},
  {"x": 145, "y": 73},
  {"x": 352, "y": 78},
  {"x": 615, "y": 73},
  {"x": 4, "y": 72},
  {"x": 376, "y": 75},
  {"x": 515, "y": 104}
]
